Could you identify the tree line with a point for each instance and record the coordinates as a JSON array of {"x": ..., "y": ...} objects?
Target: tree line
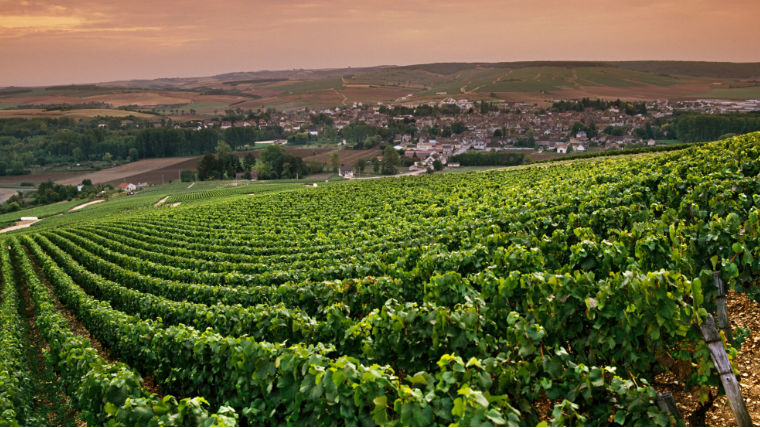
[
  {"x": 27, "y": 142},
  {"x": 479, "y": 158},
  {"x": 630, "y": 108},
  {"x": 693, "y": 127}
]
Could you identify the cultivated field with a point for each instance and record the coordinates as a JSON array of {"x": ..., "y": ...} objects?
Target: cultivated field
[
  {"x": 564, "y": 294},
  {"x": 539, "y": 81},
  {"x": 76, "y": 113},
  {"x": 130, "y": 170}
]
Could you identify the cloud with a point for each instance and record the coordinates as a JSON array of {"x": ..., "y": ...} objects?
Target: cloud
[{"x": 41, "y": 22}]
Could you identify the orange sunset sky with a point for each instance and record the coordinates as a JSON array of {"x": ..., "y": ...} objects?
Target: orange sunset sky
[{"x": 78, "y": 41}]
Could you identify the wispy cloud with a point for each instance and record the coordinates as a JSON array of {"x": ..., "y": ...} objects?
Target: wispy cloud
[{"x": 41, "y": 22}]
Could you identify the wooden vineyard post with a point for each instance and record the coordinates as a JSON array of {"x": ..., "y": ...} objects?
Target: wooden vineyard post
[
  {"x": 722, "y": 309},
  {"x": 666, "y": 403},
  {"x": 727, "y": 378}
]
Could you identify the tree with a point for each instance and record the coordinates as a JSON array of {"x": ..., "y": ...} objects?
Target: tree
[
  {"x": 249, "y": 161},
  {"x": 334, "y": 162},
  {"x": 314, "y": 166},
  {"x": 186, "y": 175},
  {"x": 107, "y": 157},
  {"x": 321, "y": 120},
  {"x": 265, "y": 171},
  {"x": 357, "y": 133},
  {"x": 391, "y": 159},
  {"x": 371, "y": 142},
  {"x": 361, "y": 164},
  {"x": 132, "y": 154},
  {"x": 239, "y": 136},
  {"x": 222, "y": 148},
  {"x": 208, "y": 167},
  {"x": 273, "y": 156},
  {"x": 437, "y": 165}
]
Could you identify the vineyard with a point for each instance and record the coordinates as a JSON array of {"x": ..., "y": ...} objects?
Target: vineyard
[{"x": 549, "y": 294}]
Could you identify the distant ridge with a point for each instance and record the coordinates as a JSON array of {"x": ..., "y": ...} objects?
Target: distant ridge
[
  {"x": 733, "y": 70},
  {"x": 538, "y": 82}
]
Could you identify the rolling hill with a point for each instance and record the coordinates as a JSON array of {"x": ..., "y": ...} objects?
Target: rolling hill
[{"x": 533, "y": 81}]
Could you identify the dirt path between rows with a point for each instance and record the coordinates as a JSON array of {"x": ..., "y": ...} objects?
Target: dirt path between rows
[
  {"x": 87, "y": 204},
  {"x": 19, "y": 225},
  {"x": 161, "y": 201},
  {"x": 50, "y": 405},
  {"x": 77, "y": 327}
]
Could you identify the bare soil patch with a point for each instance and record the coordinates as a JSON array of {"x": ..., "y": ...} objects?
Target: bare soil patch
[
  {"x": 137, "y": 98},
  {"x": 161, "y": 201},
  {"x": 21, "y": 224},
  {"x": 15, "y": 180},
  {"x": 347, "y": 157},
  {"x": 131, "y": 172},
  {"x": 77, "y": 113},
  {"x": 87, "y": 204}
]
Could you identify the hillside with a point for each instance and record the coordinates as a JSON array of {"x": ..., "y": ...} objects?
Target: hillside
[
  {"x": 536, "y": 81},
  {"x": 567, "y": 293}
]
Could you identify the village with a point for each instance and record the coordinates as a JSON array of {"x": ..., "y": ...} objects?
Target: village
[{"x": 436, "y": 131}]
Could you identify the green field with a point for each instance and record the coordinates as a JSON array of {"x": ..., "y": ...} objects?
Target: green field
[
  {"x": 495, "y": 78},
  {"x": 752, "y": 92},
  {"x": 204, "y": 106},
  {"x": 561, "y": 294},
  {"x": 310, "y": 86},
  {"x": 43, "y": 211}
]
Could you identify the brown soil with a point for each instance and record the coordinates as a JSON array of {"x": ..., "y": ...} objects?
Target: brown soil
[
  {"x": 57, "y": 404},
  {"x": 74, "y": 324},
  {"x": 137, "y": 98},
  {"x": 161, "y": 201},
  {"x": 76, "y": 113},
  {"x": 19, "y": 225},
  {"x": 149, "y": 382},
  {"x": 347, "y": 157},
  {"x": 87, "y": 204},
  {"x": 127, "y": 172},
  {"x": 163, "y": 173},
  {"x": 743, "y": 313},
  {"x": 14, "y": 180},
  {"x": 150, "y": 170}
]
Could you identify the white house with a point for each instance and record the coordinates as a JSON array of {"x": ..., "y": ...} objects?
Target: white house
[
  {"x": 346, "y": 172},
  {"x": 561, "y": 147}
]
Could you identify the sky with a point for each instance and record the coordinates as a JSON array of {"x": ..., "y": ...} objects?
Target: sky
[{"x": 87, "y": 41}]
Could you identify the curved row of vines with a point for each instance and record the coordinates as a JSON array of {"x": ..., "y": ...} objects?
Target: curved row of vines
[{"x": 549, "y": 294}]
